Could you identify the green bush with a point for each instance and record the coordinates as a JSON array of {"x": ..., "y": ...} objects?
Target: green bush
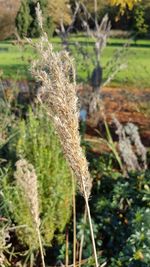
[
  {"x": 140, "y": 26},
  {"x": 120, "y": 210},
  {"x": 36, "y": 141}
]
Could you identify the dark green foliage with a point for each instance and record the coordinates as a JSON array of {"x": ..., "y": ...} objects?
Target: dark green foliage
[
  {"x": 121, "y": 213},
  {"x": 138, "y": 19},
  {"x": 26, "y": 21},
  {"x": 140, "y": 25},
  {"x": 23, "y": 19},
  {"x": 34, "y": 30}
]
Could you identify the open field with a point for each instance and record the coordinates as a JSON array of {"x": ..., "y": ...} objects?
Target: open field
[{"x": 15, "y": 60}]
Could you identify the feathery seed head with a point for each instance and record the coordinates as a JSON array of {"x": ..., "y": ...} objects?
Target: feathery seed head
[
  {"x": 132, "y": 130},
  {"x": 130, "y": 146},
  {"x": 27, "y": 181},
  {"x": 39, "y": 15},
  {"x": 58, "y": 95}
]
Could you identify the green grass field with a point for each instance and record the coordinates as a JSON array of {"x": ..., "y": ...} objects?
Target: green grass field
[{"x": 15, "y": 61}]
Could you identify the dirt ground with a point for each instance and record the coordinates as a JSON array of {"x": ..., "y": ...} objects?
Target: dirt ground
[{"x": 127, "y": 105}]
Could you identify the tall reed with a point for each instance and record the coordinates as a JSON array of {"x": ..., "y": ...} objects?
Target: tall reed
[{"x": 58, "y": 96}]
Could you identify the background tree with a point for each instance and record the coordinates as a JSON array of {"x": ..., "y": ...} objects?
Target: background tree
[
  {"x": 140, "y": 25},
  {"x": 26, "y": 20},
  {"x": 23, "y": 19},
  {"x": 60, "y": 10},
  {"x": 124, "y": 3},
  {"x": 146, "y": 5},
  {"x": 90, "y": 5},
  {"x": 34, "y": 29}
]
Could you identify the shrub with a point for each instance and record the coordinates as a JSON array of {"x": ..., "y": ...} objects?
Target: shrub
[
  {"x": 37, "y": 142},
  {"x": 121, "y": 212}
]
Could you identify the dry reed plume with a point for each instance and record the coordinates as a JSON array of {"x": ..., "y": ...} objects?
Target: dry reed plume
[
  {"x": 133, "y": 132},
  {"x": 130, "y": 146},
  {"x": 58, "y": 95},
  {"x": 27, "y": 181}
]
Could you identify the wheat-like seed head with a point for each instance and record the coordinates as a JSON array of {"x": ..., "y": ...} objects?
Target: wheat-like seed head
[
  {"x": 39, "y": 16},
  {"x": 27, "y": 181},
  {"x": 58, "y": 95}
]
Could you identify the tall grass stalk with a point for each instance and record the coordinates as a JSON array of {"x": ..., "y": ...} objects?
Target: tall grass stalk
[
  {"x": 74, "y": 222},
  {"x": 58, "y": 96},
  {"x": 112, "y": 145},
  {"x": 82, "y": 240}
]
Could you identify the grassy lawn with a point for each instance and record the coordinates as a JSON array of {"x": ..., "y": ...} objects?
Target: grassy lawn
[
  {"x": 15, "y": 61},
  {"x": 137, "y": 72}
]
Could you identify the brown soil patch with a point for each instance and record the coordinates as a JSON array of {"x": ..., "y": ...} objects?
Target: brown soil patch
[{"x": 127, "y": 105}]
